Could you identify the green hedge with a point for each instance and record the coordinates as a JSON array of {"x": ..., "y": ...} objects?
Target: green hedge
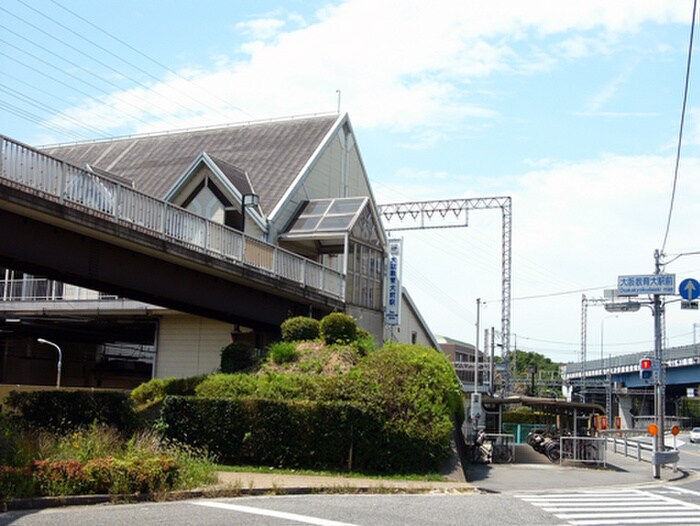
[
  {"x": 61, "y": 410},
  {"x": 298, "y": 434},
  {"x": 158, "y": 388}
]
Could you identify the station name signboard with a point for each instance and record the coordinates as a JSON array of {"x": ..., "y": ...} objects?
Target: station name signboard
[
  {"x": 646, "y": 284},
  {"x": 393, "y": 287}
]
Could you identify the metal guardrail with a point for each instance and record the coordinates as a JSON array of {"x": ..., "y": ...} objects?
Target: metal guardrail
[
  {"x": 642, "y": 451},
  {"x": 50, "y": 178}
]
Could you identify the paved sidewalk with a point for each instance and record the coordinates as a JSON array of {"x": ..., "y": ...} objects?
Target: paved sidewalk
[
  {"x": 279, "y": 483},
  {"x": 533, "y": 472}
]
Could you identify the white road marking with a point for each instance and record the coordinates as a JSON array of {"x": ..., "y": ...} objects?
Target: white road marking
[
  {"x": 270, "y": 513},
  {"x": 629, "y": 506}
]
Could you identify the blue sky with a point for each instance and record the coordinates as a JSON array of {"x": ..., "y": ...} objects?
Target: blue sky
[{"x": 572, "y": 108}]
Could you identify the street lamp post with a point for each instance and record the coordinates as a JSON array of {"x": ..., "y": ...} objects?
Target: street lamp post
[
  {"x": 60, "y": 360},
  {"x": 246, "y": 201}
]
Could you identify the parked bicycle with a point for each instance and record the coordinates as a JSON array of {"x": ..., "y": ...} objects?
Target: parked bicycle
[
  {"x": 550, "y": 444},
  {"x": 486, "y": 450}
]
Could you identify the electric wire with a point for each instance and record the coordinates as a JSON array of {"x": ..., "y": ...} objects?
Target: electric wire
[
  {"x": 139, "y": 52},
  {"x": 82, "y": 81},
  {"x": 680, "y": 131},
  {"x": 75, "y": 65},
  {"x": 77, "y": 50},
  {"x": 41, "y": 106},
  {"x": 26, "y": 115},
  {"x": 33, "y": 87}
]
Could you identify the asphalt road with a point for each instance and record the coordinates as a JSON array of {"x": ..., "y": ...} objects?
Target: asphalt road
[{"x": 322, "y": 510}]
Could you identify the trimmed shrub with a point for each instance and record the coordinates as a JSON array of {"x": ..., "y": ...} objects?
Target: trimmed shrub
[
  {"x": 149, "y": 391},
  {"x": 237, "y": 356},
  {"x": 62, "y": 410},
  {"x": 300, "y": 328},
  {"x": 338, "y": 328},
  {"x": 59, "y": 477},
  {"x": 227, "y": 386},
  {"x": 157, "y": 388},
  {"x": 283, "y": 352},
  {"x": 293, "y": 434},
  {"x": 299, "y": 434},
  {"x": 183, "y": 386},
  {"x": 415, "y": 390},
  {"x": 270, "y": 385}
]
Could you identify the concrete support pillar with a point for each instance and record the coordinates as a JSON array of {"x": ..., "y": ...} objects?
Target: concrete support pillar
[{"x": 625, "y": 411}]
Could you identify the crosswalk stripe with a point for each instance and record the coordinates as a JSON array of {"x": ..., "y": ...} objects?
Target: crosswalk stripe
[{"x": 629, "y": 506}]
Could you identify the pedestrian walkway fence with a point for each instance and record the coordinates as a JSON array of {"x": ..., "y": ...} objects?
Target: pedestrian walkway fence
[{"x": 587, "y": 450}]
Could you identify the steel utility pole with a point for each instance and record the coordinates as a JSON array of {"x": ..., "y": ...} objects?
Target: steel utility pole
[
  {"x": 476, "y": 347},
  {"x": 659, "y": 382},
  {"x": 584, "y": 338}
]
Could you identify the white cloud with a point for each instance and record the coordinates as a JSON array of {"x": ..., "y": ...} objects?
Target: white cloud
[
  {"x": 575, "y": 226},
  {"x": 399, "y": 64},
  {"x": 261, "y": 28}
]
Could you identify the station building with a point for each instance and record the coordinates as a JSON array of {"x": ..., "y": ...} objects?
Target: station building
[{"x": 298, "y": 183}]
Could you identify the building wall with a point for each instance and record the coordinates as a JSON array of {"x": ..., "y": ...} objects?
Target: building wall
[
  {"x": 411, "y": 329},
  {"x": 338, "y": 172},
  {"x": 370, "y": 320},
  {"x": 190, "y": 345}
]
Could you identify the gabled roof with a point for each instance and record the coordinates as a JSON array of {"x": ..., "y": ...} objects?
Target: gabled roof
[
  {"x": 238, "y": 177},
  {"x": 273, "y": 154}
]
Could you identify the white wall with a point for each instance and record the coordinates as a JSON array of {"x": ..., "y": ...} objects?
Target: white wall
[
  {"x": 189, "y": 345},
  {"x": 337, "y": 172}
]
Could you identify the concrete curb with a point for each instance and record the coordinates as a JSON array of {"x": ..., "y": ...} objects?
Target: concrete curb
[{"x": 222, "y": 491}]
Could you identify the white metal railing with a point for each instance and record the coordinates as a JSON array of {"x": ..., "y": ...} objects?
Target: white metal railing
[
  {"x": 43, "y": 289},
  {"x": 639, "y": 450},
  {"x": 56, "y": 180},
  {"x": 587, "y": 450}
]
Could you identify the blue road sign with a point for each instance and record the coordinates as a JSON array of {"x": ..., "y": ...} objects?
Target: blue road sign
[{"x": 689, "y": 289}]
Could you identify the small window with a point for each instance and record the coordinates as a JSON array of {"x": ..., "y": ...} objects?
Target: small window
[{"x": 414, "y": 337}]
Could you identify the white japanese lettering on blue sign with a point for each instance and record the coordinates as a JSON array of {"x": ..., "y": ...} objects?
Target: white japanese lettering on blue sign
[{"x": 646, "y": 284}]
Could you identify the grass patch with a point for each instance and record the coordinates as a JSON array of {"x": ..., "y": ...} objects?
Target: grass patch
[{"x": 422, "y": 477}]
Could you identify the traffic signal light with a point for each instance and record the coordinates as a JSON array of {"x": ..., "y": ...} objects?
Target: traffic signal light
[{"x": 646, "y": 372}]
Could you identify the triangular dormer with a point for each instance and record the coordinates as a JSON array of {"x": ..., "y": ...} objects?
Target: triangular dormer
[{"x": 215, "y": 190}]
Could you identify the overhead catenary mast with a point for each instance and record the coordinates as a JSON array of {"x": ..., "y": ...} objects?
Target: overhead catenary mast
[{"x": 434, "y": 214}]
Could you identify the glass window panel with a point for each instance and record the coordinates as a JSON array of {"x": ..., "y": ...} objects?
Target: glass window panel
[
  {"x": 335, "y": 223},
  {"x": 316, "y": 207},
  {"x": 305, "y": 223},
  {"x": 346, "y": 206}
]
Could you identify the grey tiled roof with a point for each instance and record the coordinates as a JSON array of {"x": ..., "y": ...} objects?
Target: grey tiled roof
[
  {"x": 238, "y": 177},
  {"x": 271, "y": 153}
]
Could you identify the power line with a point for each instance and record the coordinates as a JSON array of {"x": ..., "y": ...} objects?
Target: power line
[
  {"x": 77, "y": 50},
  {"x": 28, "y": 116},
  {"x": 82, "y": 81},
  {"x": 553, "y": 294},
  {"x": 680, "y": 131},
  {"x": 41, "y": 106},
  {"x": 135, "y": 50}
]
